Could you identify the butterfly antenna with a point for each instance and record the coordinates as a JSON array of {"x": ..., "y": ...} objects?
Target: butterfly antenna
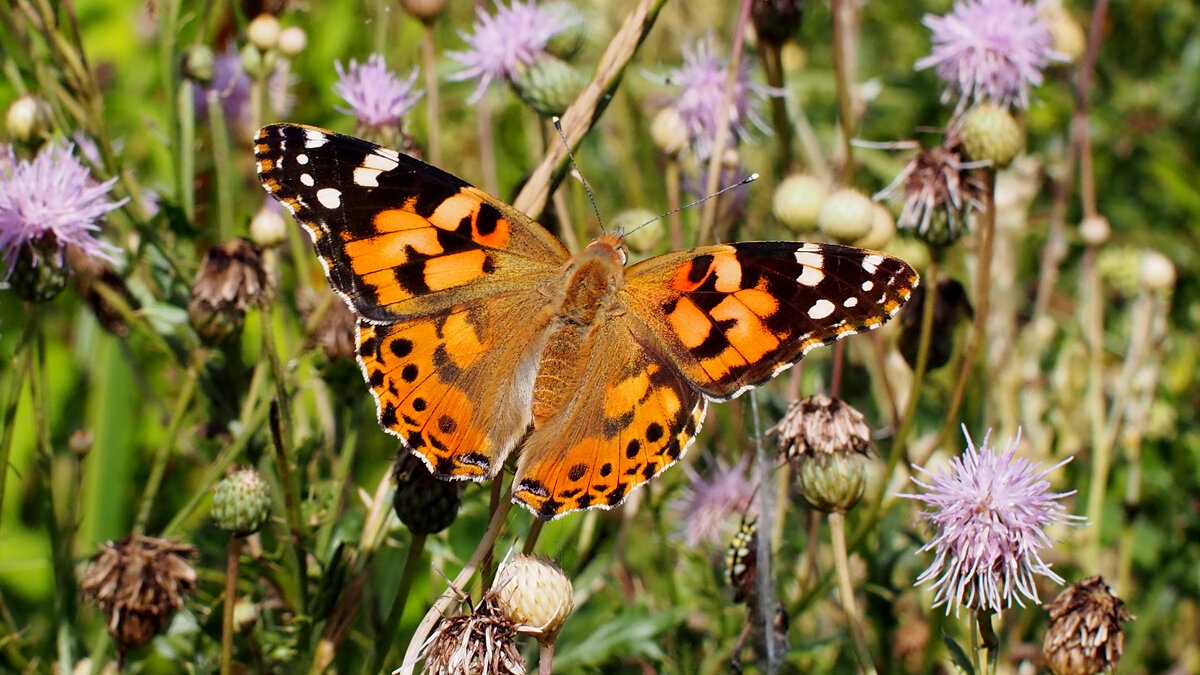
[
  {"x": 748, "y": 179},
  {"x": 587, "y": 188}
]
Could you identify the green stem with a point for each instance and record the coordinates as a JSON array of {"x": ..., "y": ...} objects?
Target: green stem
[
  {"x": 20, "y": 368},
  {"x": 987, "y": 640},
  {"x": 841, "y": 10},
  {"x": 773, "y": 67},
  {"x": 899, "y": 445},
  {"x": 163, "y": 456},
  {"x": 232, "y": 560},
  {"x": 1093, "y": 327},
  {"x": 535, "y": 530},
  {"x": 708, "y": 217},
  {"x": 222, "y": 167},
  {"x": 387, "y": 634},
  {"x": 983, "y": 290},
  {"x": 545, "y": 658},
  {"x": 432, "y": 105},
  {"x": 295, "y": 525},
  {"x": 841, "y": 563}
]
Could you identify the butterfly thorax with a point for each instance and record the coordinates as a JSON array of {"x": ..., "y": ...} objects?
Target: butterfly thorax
[{"x": 589, "y": 294}]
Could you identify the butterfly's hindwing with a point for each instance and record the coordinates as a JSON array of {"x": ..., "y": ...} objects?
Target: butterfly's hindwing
[{"x": 733, "y": 316}]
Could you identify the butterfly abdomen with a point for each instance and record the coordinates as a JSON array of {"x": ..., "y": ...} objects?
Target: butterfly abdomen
[{"x": 592, "y": 280}]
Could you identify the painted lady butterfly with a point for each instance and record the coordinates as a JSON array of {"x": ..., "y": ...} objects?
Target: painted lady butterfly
[{"x": 478, "y": 331}]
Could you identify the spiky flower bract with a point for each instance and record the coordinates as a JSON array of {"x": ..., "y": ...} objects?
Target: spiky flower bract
[
  {"x": 377, "y": 97},
  {"x": 51, "y": 198},
  {"x": 991, "y": 50},
  {"x": 989, "y": 513},
  {"x": 700, "y": 83},
  {"x": 512, "y": 37}
]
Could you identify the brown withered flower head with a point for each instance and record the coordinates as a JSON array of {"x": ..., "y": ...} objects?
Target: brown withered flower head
[
  {"x": 940, "y": 187},
  {"x": 1085, "y": 635},
  {"x": 138, "y": 582},
  {"x": 231, "y": 278},
  {"x": 479, "y": 643},
  {"x": 827, "y": 442}
]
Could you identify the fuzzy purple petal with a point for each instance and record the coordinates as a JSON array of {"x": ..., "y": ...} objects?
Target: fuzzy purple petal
[{"x": 376, "y": 96}]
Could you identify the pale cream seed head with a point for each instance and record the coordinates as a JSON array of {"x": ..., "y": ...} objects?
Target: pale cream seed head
[
  {"x": 535, "y": 594},
  {"x": 846, "y": 215}
]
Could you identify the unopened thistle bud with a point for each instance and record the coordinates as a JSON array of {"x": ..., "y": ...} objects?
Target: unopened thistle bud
[
  {"x": 268, "y": 227},
  {"x": 241, "y": 502},
  {"x": 292, "y": 41},
  {"x": 991, "y": 133},
  {"x": 1095, "y": 230},
  {"x": 536, "y": 595},
  {"x": 1085, "y": 636},
  {"x": 846, "y": 215},
  {"x": 28, "y": 118},
  {"x": 1158, "y": 272},
  {"x": 1069, "y": 38},
  {"x": 199, "y": 63},
  {"x": 798, "y": 200},
  {"x": 828, "y": 443},
  {"x": 548, "y": 85},
  {"x": 427, "y": 11},
  {"x": 263, "y": 32},
  {"x": 883, "y": 228},
  {"x": 424, "y": 504},
  {"x": 669, "y": 131},
  {"x": 643, "y": 232},
  {"x": 567, "y": 42},
  {"x": 40, "y": 272}
]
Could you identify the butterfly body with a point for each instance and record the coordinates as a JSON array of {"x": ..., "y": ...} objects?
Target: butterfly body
[{"x": 480, "y": 334}]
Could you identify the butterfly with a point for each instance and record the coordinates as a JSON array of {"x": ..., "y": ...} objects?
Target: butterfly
[{"x": 479, "y": 332}]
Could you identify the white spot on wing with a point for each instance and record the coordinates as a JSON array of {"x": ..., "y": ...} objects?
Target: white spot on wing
[
  {"x": 380, "y": 162},
  {"x": 821, "y": 309},
  {"x": 868, "y": 285},
  {"x": 809, "y": 258},
  {"x": 302, "y": 158},
  {"x": 811, "y": 276},
  {"x": 850, "y": 302},
  {"x": 871, "y": 263},
  {"x": 307, "y": 180},
  {"x": 314, "y": 139},
  {"x": 330, "y": 198},
  {"x": 366, "y": 177}
]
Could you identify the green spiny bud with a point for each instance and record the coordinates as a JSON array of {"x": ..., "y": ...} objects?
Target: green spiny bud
[
  {"x": 424, "y": 503},
  {"x": 548, "y": 85},
  {"x": 990, "y": 133},
  {"x": 241, "y": 502}
]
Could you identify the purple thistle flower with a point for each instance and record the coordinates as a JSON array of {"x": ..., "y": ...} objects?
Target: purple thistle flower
[
  {"x": 701, "y": 84},
  {"x": 376, "y": 96},
  {"x": 231, "y": 85},
  {"x": 515, "y": 36},
  {"x": 990, "y": 49},
  {"x": 708, "y": 505},
  {"x": 51, "y": 196},
  {"x": 989, "y": 513}
]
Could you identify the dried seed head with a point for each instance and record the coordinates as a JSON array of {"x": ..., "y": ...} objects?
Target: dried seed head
[
  {"x": 423, "y": 503},
  {"x": 292, "y": 41},
  {"x": 827, "y": 442},
  {"x": 241, "y": 502},
  {"x": 231, "y": 278},
  {"x": 1085, "y": 634},
  {"x": 535, "y": 594},
  {"x": 481, "y": 643},
  {"x": 940, "y": 190},
  {"x": 137, "y": 582}
]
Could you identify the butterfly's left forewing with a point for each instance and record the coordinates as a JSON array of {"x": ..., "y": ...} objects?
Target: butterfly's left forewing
[{"x": 732, "y": 316}]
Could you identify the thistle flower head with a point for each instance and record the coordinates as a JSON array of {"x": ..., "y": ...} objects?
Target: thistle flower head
[
  {"x": 481, "y": 642},
  {"x": 989, "y": 513},
  {"x": 512, "y": 37},
  {"x": 377, "y": 97},
  {"x": 1086, "y": 633},
  {"x": 51, "y": 199},
  {"x": 709, "y": 503},
  {"x": 700, "y": 83},
  {"x": 990, "y": 50}
]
